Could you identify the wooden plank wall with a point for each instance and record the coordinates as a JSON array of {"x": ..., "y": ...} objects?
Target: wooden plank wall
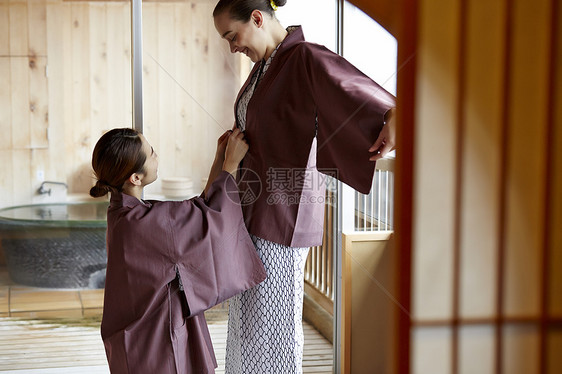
[
  {"x": 65, "y": 78},
  {"x": 487, "y": 212},
  {"x": 189, "y": 89}
]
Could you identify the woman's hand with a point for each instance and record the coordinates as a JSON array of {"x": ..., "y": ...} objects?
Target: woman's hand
[
  {"x": 235, "y": 151},
  {"x": 221, "y": 146},
  {"x": 387, "y": 138}
]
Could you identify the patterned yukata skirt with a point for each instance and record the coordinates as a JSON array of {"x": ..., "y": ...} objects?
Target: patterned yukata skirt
[{"x": 265, "y": 323}]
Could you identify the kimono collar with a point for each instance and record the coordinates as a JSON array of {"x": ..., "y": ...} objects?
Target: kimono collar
[
  {"x": 295, "y": 36},
  {"x": 122, "y": 199}
]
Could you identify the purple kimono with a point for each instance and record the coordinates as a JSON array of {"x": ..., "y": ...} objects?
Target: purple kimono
[
  {"x": 308, "y": 92},
  {"x": 149, "y": 324}
]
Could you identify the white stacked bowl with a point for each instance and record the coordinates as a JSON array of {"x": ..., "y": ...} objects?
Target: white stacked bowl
[{"x": 177, "y": 187}]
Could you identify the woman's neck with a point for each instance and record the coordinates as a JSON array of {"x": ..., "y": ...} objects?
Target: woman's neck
[
  {"x": 135, "y": 191},
  {"x": 278, "y": 34}
]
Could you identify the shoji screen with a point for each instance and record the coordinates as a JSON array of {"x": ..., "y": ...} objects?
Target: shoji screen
[{"x": 486, "y": 236}]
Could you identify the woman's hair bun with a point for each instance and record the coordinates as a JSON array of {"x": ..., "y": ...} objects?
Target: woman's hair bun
[
  {"x": 280, "y": 2},
  {"x": 100, "y": 189}
]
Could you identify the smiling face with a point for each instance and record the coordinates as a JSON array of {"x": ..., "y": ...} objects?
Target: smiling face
[{"x": 244, "y": 37}]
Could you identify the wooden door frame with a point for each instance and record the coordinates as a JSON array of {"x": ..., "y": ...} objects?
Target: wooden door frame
[{"x": 400, "y": 18}]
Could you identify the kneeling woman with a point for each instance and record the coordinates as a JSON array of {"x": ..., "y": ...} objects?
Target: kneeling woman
[{"x": 168, "y": 261}]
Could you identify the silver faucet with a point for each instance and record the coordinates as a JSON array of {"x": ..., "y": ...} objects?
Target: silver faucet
[{"x": 42, "y": 190}]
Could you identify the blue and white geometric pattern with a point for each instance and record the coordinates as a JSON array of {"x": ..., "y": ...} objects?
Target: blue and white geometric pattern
[{"x": 265, "y": 323}]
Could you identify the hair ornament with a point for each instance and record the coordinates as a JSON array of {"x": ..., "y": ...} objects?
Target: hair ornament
[{"x": 273, "y": 5}]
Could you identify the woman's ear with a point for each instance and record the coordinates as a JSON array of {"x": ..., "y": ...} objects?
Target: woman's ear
[
  {"x": 257, "y": 18},
  {"x": 135, "y": 179}
]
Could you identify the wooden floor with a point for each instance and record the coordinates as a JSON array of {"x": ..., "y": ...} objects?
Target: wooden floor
[
  {"x": 57, "y": 331},
  {"x": 75, "y": 346}
]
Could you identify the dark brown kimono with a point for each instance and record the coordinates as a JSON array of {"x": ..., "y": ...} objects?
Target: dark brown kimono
[
  {"x": 307, "y": 92},
  {"x": 149, "y": 325}
]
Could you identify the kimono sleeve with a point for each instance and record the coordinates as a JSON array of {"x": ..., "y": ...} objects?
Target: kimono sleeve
[
  {"x": 213, "y": 252},
  {"x": 350, "y": 114}
]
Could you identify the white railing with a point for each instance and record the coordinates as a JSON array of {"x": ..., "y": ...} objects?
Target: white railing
[
  {"x": 373, "y": 212},
  {"x": 318, "y": 271}
]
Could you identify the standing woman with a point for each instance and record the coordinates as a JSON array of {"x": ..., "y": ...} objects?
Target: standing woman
[
  {"x": 303, "y": 109},
  {"x": 168, "y": 261}
]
